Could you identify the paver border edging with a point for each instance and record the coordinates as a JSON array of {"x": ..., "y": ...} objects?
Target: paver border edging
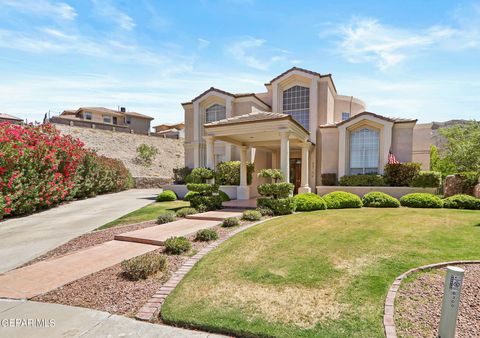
[
  {"x": 389, "y": 308},
  {"x": 154, "y": 304}
]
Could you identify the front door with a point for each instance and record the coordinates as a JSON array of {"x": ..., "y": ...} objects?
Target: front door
[{"x": 295, "y": 173}]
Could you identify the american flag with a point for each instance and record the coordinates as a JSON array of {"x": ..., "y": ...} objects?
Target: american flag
[{"x": 392, "y": 159}]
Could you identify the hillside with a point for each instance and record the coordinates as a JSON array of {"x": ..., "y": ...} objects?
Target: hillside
[{"x": 123, "y": 146}]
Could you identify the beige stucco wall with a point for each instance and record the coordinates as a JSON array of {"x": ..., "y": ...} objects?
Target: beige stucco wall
[
  {"x": 422, "y": 139},
  {"x": 329, "y": 147},
  {"x": 245, "y": 107},
  {"x": 139, "y": 125},
  {"x": 189, "y": 123},
  {"x": 402, "y": 141},
  {"x": 322, "y": 102},
  {"x": 342, "y": 104}
]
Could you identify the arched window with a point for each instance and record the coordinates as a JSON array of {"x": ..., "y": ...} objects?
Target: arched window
[
  {"x": 296, "y": 102},
  {"x": 364, "y": 151},
  {"x": 215, "y": 112}
]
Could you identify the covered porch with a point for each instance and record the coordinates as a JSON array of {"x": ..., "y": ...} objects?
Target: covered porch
[{"x": 276, "y": 134}]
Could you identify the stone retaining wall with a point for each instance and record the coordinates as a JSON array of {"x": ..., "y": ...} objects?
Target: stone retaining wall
[{"x": 146, "y": 182}]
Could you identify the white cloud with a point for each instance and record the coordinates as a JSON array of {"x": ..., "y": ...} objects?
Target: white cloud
[
  {"x": 203, "y": 43},
  {"x": 247, "y": 50},
  {"x": 42, "y": 7},
  {"x": 107, "y": 10}
]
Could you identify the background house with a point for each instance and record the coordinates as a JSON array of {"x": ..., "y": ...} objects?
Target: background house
[
  {"x": 9, "y": 118},
  {"x": 176, "y": 131}
]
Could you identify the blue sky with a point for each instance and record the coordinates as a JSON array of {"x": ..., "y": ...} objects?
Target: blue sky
[{"x": 416, "y": 59}]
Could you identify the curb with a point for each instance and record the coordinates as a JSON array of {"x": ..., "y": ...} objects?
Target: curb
[
  {"x": 154, "y": 304},
  {"x": 389, "y": 308}
]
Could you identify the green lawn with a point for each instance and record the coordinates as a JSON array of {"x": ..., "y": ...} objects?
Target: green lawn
[
  {"x": 147, "y": 213},
  {"x": 318, "y": 274}
]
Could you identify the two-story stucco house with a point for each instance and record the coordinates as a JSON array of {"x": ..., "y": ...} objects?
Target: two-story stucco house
[
  {"x": 301, "y": 125},
  {"x": 131, "y": 121}
]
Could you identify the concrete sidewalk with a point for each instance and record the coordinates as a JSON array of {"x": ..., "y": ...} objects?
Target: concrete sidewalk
[
  {"x": 28, "y": 237},
  {"x": 69, "y": 321}
]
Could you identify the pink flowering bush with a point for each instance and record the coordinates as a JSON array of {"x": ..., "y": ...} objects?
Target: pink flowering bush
[{"x": 39, "y": 168}]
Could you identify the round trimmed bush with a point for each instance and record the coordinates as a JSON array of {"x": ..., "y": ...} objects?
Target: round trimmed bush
[
  {"x": 167, "y": 195},
  {"x": 177, "y": 245},
  {"x": 224, "y": 196},
  {"x": 342, "y": 200},
  {"x": 265, "y": 211},
  {"x": 377, "y": 199},
  {"x": 421, "y": 200},
  {"x": 167, "y": 217},
  {"x": 279, "y": 206},
  {"x": 309, "y": 202},
  {"x": 188, "y": 196},
  {"x": 251, "y": 215},
  {"x": 461, "y": 201},
  {"x": 186, "y": 211},
  {"x": 206, "y": 235},
  {"x": 230, "y": 222}
]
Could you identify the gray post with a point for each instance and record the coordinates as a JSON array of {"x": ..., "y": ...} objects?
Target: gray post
[{"x": 451, "y": 300}]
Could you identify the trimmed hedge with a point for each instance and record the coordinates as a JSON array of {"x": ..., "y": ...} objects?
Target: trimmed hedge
[
  {"x": 276, "y": 190},
  {"x": 177, "y": 245},
  {"x": 186, "y": 211},
  {"x": 141, "y": 267},
  {"x": 206, "y": 203},
  {"x": 421, "y": 200},
  {"x": 363, "y": 180},
  {"x": 462, "y": 201},
  {"x": 427, "y": 179},
  {"x": 280, "y": 206},
  {"x": 203, "y": 173},
  {"x": 224, "y": 196},
  {"x": 341, "y": 200},
  {"x": 470, "y": 180},
  {"x": 206, "y": 235},
  {"x": 228, "y": 173},
  {"x": 189, "y": 195},
  {"x": 329, "y": 179},
  {"x": 309, "y": 202},
  {"x": 251, "y": 215},
  {"x": 265, "y": 211},
  {"x": 401, "y": 174},
  {"x": 203, "y": 188},
  {"x": 377, "y": 199},
  {"x": 167, "y": 195}
]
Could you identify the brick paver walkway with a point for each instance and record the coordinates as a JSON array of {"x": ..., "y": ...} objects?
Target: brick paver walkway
[{"x": 50, "y": 274}]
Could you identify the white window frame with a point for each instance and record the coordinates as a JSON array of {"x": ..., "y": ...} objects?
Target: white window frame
[
  {"x": 364, "y": 152},
  {"x": 296, "y": 103},
  {"x": 218, "y": 111}
]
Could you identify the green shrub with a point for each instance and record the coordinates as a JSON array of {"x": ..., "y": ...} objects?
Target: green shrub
[
  {"x": 470, "y": 180},
  {"x": 203, "y": 174},
  {"x": 224, "y": 196},
  {"x": 273, "y": 174},
  {"x": 204, "y": 189},
  {"x": 251, "y": 215},
  {"x": 192, "y": 179},
  {"x": 206, "y": 235},
  {"x": 401, "y": 174},
  {"x": 309, "y": 202},
  {"x": 166, "y": 195},
  {"x": 146, "y": 154},
  {"x": 177, "y": 245},
  {"x": 186, "y": 211},
  {"x": 280, "y": 206},
  {"x": 276, "y": 190},
  {"x": 421, "y": 200},
  {"x": 427, "y": 179},
  {"x": 377, "y": 199},
  {"x": 364, "y": 180},
  {"x": 167, "y": 217},
  {"x": 189, "y": 195},
  {"x": 341, "y": 200},
  {"x": 2, "y": 205},
  {"x": 329, "y": 179},
  {"x": 180, "y": 175},
  {"x": 141, "y": 267},
  {"x": 230, "y": 222},
  {"x": 265, "y": 211},
  {"x": 462, "y": 202},
  {"x": 228, "y": 173},
  {"x": 206, "y": 203}
]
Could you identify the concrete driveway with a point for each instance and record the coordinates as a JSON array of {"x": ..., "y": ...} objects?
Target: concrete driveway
[{"x": 28, "y": 237}]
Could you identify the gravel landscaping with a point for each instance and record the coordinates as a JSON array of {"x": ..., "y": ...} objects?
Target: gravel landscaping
[
  {"x": 109, "y": 290},
  {"x": 419, "y": 302}
]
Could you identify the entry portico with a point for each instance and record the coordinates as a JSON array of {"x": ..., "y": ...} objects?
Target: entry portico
[{"x": 269, "y": 131}]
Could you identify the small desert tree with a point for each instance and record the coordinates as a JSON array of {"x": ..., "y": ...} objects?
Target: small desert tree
[{"x": 146, "y": 154}]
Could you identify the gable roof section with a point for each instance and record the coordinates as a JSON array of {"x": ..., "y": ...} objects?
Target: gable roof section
[
  {"x": 9, "y": 117},
  {"x": 213, "y": 89},
  {"x": 307, "y": 71},
  {"x": 253, "y": 117},
  {"x": 386, "y": 118}
]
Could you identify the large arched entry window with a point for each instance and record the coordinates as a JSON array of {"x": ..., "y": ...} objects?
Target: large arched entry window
[
  {"x": 364, "y": 151},
  {"x": 215, "y": 112},
  {"x": 296, "y": 102}
]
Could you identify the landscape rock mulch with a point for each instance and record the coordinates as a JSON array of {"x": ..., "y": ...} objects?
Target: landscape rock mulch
[
  {"x": 419, "y": 301},
  {"x": 90, "y": 239},
  {"x": 109, "y": 290}
]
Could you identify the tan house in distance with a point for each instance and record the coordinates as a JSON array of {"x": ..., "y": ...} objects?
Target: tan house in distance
[
  {"x": 10, "y": 119},
  {"x": 175, "y": 131},
  {"x": 99, "y": 116},
  {"x": 302, "y": 126}
]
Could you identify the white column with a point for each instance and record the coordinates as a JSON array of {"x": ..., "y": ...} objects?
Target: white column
[
  {"x": 304, "y": 187},
  {"x": 285, "y": 154},
  {"x": 210, "y": 141},
  {"x": 243, "y": 190}
]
